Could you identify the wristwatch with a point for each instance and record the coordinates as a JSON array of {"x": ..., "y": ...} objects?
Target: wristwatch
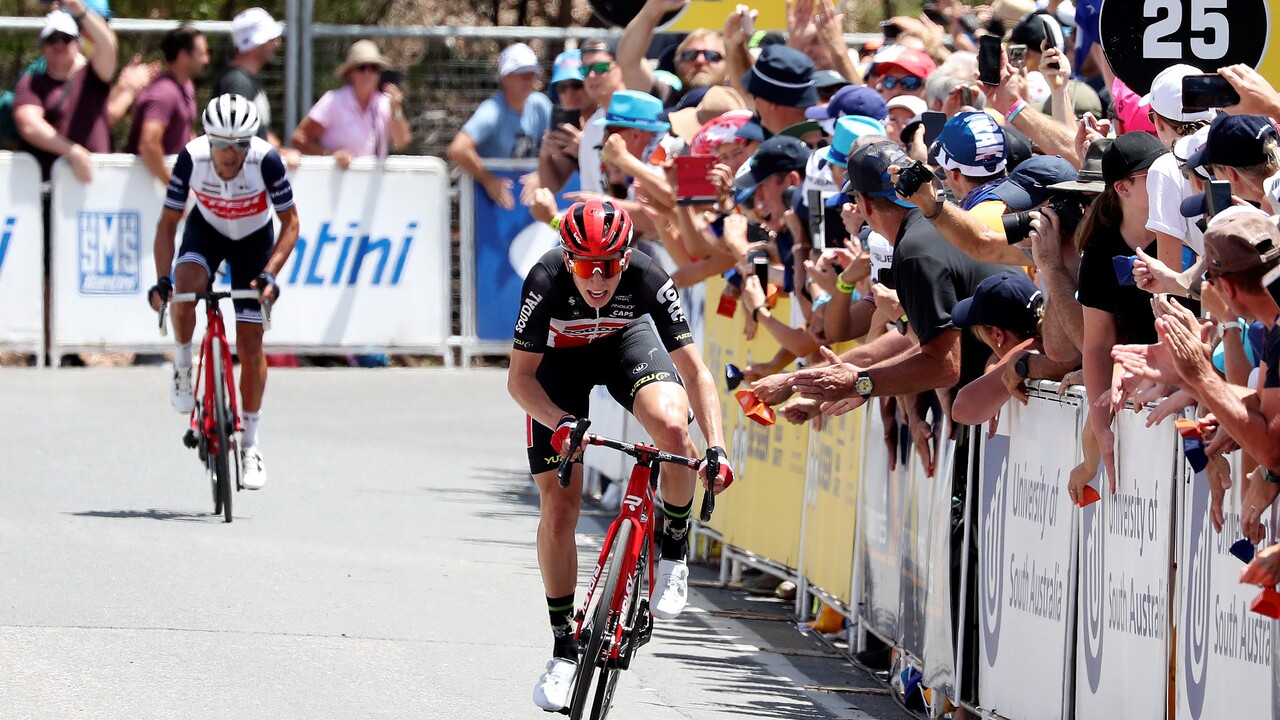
[
  {"x": 1021, "y": 366},
  {"x": 1270, "y": 476},
  {"x": 865, "y": 386}
]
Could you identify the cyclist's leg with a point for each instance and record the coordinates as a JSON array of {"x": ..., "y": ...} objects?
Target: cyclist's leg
[
  {"x": 199, "y": 255},
  {"x": 248, "y": 257}
]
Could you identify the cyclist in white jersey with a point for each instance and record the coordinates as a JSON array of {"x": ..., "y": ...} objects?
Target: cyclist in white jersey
[{"x": 236, "y": 178}]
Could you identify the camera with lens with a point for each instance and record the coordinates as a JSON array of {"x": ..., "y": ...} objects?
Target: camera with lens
[
  {"x": 1069, "y": 207},
  {"x": 912, "y": 178}
]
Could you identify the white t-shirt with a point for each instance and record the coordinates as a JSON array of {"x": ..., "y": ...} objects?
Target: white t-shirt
[
  {"x": 589, "y": 175},
  {"x": 1166, "y": 189},
  {"x": 881, "y": 256},
  {"x": 1271, "y": 186}
]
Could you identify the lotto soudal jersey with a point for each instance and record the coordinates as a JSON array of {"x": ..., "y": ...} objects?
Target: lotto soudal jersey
[
  {"x": 554, "y": 315},
  {"x": 237, "y": 207}
]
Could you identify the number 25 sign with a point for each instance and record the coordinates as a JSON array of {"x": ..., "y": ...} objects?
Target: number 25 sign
[{"x": 1143, "y": 37}]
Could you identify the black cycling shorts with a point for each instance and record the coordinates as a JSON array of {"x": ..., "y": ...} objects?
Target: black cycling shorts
[
  {"x": 623, "y": 362},
  {"x": 248, "y": 256}
]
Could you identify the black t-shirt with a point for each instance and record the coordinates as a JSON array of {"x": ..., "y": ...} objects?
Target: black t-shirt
[
  {"x": 1271, "y": 356},
  {"x": 239, "y": 82},
  {"x": 931, "y": 275},
  {"x": 1099, "y": 289},
  {"x": 554, "y": 315}
]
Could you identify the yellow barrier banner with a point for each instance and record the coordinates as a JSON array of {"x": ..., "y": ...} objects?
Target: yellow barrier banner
[
  {"x": 710, "y": 14},
  {"x": 761, "y": 512},
  {"x": 831, "y": 504}
]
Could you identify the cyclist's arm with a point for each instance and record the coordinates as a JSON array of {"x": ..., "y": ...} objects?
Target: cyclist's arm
[
  {"x": 522, "y": 383},
  {"x": 284, "y": 244},
  {"x": 281, "y": 192},
  {"x": 701, "y": 388},
  {"x": 175, "y": 202}
]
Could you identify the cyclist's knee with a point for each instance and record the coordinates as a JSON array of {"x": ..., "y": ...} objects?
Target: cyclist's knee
[
  {"x": 664, "y": 412},
  {"x": 559, "y": 514},
  {"x": 190, "y": 277},
  {"x": 248, "y": 341}
]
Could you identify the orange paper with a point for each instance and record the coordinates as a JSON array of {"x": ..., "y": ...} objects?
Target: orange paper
[
  {"x": 1267, "y": 603},
  {"x": 754, "y": 409},
  {"x": 1089, "y": 496}
]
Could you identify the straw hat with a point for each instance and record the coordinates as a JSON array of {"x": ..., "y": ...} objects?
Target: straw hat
[{"x": 362, "y": 52}]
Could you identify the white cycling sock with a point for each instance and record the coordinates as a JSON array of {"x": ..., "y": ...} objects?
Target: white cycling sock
[
  {"x": 182, "y": 357},
  {"x": 249, "y": 438}
]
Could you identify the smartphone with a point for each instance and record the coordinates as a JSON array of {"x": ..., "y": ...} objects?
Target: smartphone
[
  {"x": 989, "y": 60},
  {"x": 760, "y": 264},
  {"x": 389, "y": 77},
  {"x": 933, "y": 121},
  {"x": 816, "y": 199},
  {"x": 1205, "y": 92},
  {"x": 749, "y": 23},
  {"x": 692, "y": 185},
  {"x": 834, "y": 233},
  {"x": 890, "y": 30},
  {"x": 1123, "y": 265},
  {"x": 561, "y": 115},
  {"x": 1217, "y": 196},
  {"x": 1018, "y": 56},
  {"x": 930, "y": 10}
]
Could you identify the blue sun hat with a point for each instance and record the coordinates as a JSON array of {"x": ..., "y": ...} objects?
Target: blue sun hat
[
  {"x": 567, "y": 66},
  {"x": 849, "y": 129},
  {"x": 632, "y": 109}
]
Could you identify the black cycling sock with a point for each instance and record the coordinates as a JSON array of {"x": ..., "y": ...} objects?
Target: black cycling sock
[
  {"x": 675, "y": 543},
  {"x": 561, "y": 610}
]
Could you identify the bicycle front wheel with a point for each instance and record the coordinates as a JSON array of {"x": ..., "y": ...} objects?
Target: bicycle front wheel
[
  {"x": 608, "y": 682},
  {"x": 603, "y": 623},
  {"x": 221, "y": 435}
]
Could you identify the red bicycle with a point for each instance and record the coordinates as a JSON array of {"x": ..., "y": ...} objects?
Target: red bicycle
[
  {"x": 215, "y": 420},
  {"x": 614, "y": 625}
]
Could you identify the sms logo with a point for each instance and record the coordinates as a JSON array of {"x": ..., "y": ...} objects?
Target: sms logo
[
  {"x": 1093, "y": 591},
  {"x": 1195, "y": 627},
  {"x": 110, "y": 245},
  {"x": 992, "y": 519}
]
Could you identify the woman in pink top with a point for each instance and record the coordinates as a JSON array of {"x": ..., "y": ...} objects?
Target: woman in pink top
[{"x": 358, "y": 119}]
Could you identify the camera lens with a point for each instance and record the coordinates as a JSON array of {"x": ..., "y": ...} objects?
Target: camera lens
[{"x": 1017, "y": 226}]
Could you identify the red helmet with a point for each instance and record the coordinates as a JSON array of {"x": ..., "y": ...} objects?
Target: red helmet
[{"x": 595, "y": 229}]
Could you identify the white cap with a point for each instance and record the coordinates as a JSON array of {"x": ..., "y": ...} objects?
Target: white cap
[
  {"x": 1191, "y": 144},
  {"x": 252, "y": 28},
  {"x": 59, "y": 21},
  {"x": 1166, "y": 95},
  {"x": 517, "y": 58},
  {"x": 915, "y": 105}
]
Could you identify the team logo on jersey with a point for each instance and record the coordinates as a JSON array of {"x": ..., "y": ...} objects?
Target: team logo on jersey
[
  {"x": 669, "y": 296},
  {"x": 110, "y": 245},
  {"x": 234, "y": 209}
]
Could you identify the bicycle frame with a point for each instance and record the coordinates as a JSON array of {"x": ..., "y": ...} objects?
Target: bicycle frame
[
  {"x": 214, "y": 328},
  {"x": 637, "y": 509}
]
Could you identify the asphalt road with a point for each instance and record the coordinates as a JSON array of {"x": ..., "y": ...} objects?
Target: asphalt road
[{"x": 386, "y": 571}]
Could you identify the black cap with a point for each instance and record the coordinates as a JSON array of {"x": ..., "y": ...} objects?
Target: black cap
[
  {"x": 779, "y": 153},
  {"x": 600, "y": 45},
  {"x": 1029, "y": 185},
  {"x": 1009, "y": 301},
  {"x": 1234, "y": 141},
  {"x": 1034, "y": 29},
  {"x": 1018, "y": 148},
  {"x": 1130, "y": 153},
  {"x": 783, "y": 76},
  {"x": 868, "y": 170}
]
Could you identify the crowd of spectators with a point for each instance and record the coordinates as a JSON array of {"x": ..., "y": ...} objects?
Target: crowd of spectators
[{"x": 1049, "y": 223}]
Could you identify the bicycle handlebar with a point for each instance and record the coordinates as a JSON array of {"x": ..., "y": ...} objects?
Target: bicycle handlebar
[
  {"x": 635, "y": 451},
  {"x": 214, "y": 296}
]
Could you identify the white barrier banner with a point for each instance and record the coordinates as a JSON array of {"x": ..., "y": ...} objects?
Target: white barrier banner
[
  {"x": 918, "y": 512},
  {"x": 1025, "y": 524},
  {"x": 880, "y": 529},
  {"x": 1224, "y": 655},
  {"x": 370, "y": 269},
  {"x": 939, "y": 638},
  {"x": 21, "y": 254},
  {"x": 1122, "y": 656}
]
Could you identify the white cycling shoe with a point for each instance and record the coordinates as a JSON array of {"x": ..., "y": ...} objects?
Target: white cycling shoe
[
  {"x": 253, "y": 475},
  {"x": 673, "y": 582},
  {"x": 553, "y": 688},
  {"x": 181, "y": 396}
]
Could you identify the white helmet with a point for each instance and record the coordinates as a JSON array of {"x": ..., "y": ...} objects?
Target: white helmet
[{"x": 232, "y": 117}]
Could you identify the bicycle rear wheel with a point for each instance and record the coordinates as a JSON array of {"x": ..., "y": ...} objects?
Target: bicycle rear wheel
[
  {"x": 602, "y": 625},
  {"x": 221, "y": 435},
  {"x": 608, "y": 682}
]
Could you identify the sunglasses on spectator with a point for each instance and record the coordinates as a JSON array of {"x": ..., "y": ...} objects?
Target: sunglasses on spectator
[
  {"x": 585, "y": 269},
  {"x": 599, "y": 68},
  {"x": 59, "y": 39},
  {"x": 567, "y": 85},
  {"x": 910, "y": 82},
  {"x": 689, "y": 56},
  {"x": 368, "y": 68},
  {"x": 221, "y": 144}
]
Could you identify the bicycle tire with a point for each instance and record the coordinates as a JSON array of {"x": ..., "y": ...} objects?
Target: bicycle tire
[
  {"x": 608, "y": 682},
  {"x": 590, "y": 657},
  {"x": 210, "y": 467},
  {"x": 221, "y": 436}
]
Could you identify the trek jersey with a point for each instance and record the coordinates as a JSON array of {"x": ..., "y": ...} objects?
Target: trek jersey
[
  {"x": 235, "y": 208},
  {"x": 554, "y": 315}
]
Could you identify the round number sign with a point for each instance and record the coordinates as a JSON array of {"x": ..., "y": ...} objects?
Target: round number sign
[{"x": 1143, "y": 37}]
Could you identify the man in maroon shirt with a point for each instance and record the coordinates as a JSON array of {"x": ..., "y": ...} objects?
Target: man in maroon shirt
[
  {"x": 63, "y": 111},
  {"x": 166, "y": 108}
]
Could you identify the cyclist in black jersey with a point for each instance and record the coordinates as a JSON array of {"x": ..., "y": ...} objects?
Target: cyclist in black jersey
[{"x": 584, "y": 321}]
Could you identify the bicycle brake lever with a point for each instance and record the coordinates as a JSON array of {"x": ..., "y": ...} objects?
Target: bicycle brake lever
[
  {"x": 164, "y": 326},
  {"x": 266, "y": 315},
  {"x": 575, "y": 439},
  {"x": 709, "y": 494}
]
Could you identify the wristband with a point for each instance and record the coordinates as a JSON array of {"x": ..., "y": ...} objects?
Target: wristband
[
  {"x": 554, "y": 222},
  {"x": 936, "y": 214},
  {"x": 1018, "y": 106},
  {"x": 844, "y": 287}
]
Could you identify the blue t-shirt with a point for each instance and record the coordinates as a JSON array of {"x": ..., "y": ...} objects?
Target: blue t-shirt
[{"x": 500, "y": 132}]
